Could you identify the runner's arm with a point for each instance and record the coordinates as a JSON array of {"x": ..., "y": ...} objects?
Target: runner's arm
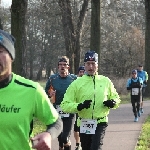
[{"x": 55, "y": 128}]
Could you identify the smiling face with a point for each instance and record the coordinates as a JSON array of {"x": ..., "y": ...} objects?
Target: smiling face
[
  {"x": 91, "y": 67},
  {"x": 5, "y": 63}
]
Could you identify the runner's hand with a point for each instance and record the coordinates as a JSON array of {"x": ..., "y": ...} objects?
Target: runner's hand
[
  {"x": 86, "y": 104},
  {"x": 109, "y": 103},
  {"x": 42, "y": 141}
]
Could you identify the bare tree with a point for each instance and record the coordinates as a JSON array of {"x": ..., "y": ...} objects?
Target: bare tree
[
  {"x": 122, "y": 35},
  {"x": 95, "y": 28},
  {"x": 147, "y": 43},
  {"x": 72, "y": 35},
  {"x": 18, "y": 30},
  {"x": 1, "y": 26}
]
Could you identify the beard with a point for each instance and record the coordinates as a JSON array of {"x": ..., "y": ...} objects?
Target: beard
[{"x": 3, "y": 69}]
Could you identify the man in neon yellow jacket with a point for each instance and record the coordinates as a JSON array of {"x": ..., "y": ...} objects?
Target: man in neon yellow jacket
[
  {"x": 20, "y": 101},
  {"x": 91, "y": 96}
]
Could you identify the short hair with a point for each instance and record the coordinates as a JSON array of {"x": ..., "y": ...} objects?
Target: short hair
[
  {"x": 64, "y": 59},
  {"x": 140, "y": 65}
]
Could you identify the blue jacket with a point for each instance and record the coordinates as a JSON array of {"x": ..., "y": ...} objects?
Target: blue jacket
[
  {"x": 142, "y": 74},
  {"x": 134, "y": 80}
]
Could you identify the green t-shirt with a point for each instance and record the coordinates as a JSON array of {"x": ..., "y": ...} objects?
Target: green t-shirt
[{"x": 20, "y": 101}]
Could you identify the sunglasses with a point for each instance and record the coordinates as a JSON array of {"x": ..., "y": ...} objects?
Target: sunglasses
[{"x": 133, "y": 73}]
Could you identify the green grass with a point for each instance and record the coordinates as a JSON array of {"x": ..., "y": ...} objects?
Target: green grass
[
  {"x": 125, "y": 99},
  {"x": 144, "y": 138},
  {"x": 42, "y": 83},
  {"x": 38, "y": 127}
]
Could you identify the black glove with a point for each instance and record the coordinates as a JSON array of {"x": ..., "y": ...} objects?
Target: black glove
[
  {"x": 145, "y": 82},
  {"x": 86, "y": 104},
  {"x": 128, "y": 88},
  {"x": 109, "y": 103}
]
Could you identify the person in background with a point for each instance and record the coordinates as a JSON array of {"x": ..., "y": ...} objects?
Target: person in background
[
  {"x": 91, "y": 96},
  {"x": 81, "y": 71},
  {"x": 59, "y": 82},
  {"x": 142, "y": 74},
  {"x": 21, "y": 100},
  {"x": 134, "y": 84}
]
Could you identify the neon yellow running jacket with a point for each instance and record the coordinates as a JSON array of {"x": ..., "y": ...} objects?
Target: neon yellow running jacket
[{"x": 98, "y": 89}]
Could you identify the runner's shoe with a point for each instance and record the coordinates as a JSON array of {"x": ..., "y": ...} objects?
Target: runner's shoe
[
  {"x": 139, "y": 113},
  {"x": 136, "y": 119},
  {"x": 78, "y": 148},
  {"x": 142, "y": 111}
]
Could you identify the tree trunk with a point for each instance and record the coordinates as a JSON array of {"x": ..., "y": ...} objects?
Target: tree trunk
[
  {"x": 72, "y": 36},
  {"x": 95, "y": 28},
  {"x": 147, "y": 44},
  {"x": 18, "y": 30},
  {"x": 79, "y": 34},
  {"x": 1, "y": 26},
  {"x": 68, "y": 28}
]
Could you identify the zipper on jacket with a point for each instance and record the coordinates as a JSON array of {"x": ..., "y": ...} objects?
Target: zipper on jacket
[{"x": 94, "y": 95}]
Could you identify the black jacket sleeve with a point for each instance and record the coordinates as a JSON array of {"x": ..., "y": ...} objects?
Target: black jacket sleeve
[{"x": 55, "y": 129}]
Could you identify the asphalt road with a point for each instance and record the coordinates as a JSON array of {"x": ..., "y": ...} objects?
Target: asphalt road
[{"x": 122, "y": 132}]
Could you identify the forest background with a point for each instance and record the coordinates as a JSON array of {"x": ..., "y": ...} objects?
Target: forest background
[{"x": 50, "y": 33}]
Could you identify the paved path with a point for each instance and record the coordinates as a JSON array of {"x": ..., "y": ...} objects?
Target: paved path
[{"x": 122, "y": 133}]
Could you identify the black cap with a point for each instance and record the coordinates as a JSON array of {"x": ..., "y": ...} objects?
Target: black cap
[{"x": 91, "y": 56}]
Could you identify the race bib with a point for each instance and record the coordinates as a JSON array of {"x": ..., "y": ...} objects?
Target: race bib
[
  {"x": 60, "y": 112},
  {"x": 135, "y": 91},
  {"x": 88, "y": 126}
]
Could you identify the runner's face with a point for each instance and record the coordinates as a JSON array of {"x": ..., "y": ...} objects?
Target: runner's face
[
  {"x": 140, "y": 68},
  {"x": 63, "y": 67},
  {"x": 134, "y": 75},
  {"x": 81, "y": 73},
  {"x": 91, "y": 67},
  {"x": 5, "y": 62}
]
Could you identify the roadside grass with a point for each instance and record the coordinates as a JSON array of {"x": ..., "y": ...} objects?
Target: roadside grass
[
  {"x": 42, "y": 83},
  {"x": 38, "y": 126},
  {"x": 125, "y": 98},
  {"x": 144, "y": 138}
]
